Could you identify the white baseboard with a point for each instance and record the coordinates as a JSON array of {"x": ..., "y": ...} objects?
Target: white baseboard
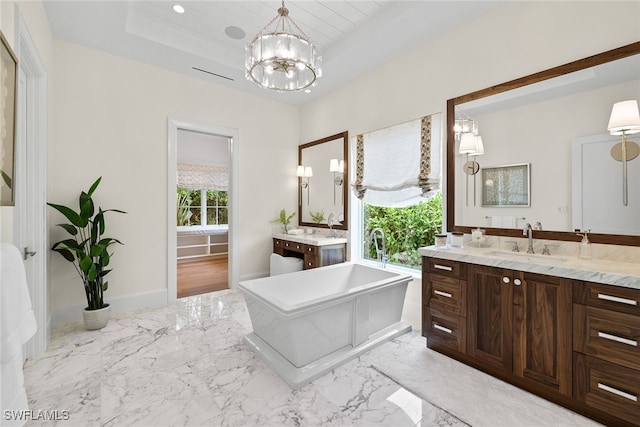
[{"x": 73, "y": 313}]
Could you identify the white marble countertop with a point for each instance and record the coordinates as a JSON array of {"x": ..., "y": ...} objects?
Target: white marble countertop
[
  {"x": 626, "y": 274},
  {"x": 311, "y": 239}
]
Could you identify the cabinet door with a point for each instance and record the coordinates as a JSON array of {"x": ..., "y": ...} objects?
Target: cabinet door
[
  {"x": 542, "y": 330},
  {"x": 490, "y": 320}
]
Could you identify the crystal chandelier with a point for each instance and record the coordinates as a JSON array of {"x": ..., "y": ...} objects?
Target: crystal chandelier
[{"x": 281, "y": 57}]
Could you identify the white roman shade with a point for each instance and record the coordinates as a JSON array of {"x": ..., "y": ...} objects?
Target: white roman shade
[
  {"x": 203, "y": 177},
  {"x": 399, "y": 165}
]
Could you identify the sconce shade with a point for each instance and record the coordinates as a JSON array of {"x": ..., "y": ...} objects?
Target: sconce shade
[
  {"x": 308, "y": 172},
  {"x": 624, "y": 118},
  {"x": 471, "y": 144},
  {"x": 300, "y": 171},
  {"x": 334, "y": 165}
]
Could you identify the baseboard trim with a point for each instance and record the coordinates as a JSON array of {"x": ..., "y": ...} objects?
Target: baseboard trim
[{"x": 125, "y": 304}]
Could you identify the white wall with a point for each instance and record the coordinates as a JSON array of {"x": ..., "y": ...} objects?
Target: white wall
[
  {"x": 111, "y": 121},
  {"x": 202, "y": 149},
  {"x": 511, "y": 41}
]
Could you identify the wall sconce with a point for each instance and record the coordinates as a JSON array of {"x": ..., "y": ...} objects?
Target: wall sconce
[
  {"x": 624, "y": 120},
  {"x": 462, "y": 126},
  {"x": 471, "y": 144},
  {"x": 337, "y": 167},
  {"x": 304, "y": 173}
]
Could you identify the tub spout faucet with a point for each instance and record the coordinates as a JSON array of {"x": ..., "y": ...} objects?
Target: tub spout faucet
[
  {"x": 527, "y": 230},
  {"x": 381, "y": 254}
]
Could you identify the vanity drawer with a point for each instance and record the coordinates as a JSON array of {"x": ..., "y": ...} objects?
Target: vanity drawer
[
  {"x": 607, "y": 335},
  {"x": 310, "y": 250},
  {"x": 293, "y": 246},
  {"x": 625, "y": 300},
  {"x": 278, "y": 246},
  {"x": 445, "y": 267},
  {"x": 310, "y": 262},
  {"x": 445, "y": 330},
  {"x": 446, "y": 294},
  {"x": 611, "y": 388}
]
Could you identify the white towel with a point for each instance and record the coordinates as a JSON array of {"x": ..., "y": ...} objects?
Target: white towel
[
  {"x": 496, "y": 221},
  {"x": 509, "y": 222},
  {"x": 17, "y": 326}
]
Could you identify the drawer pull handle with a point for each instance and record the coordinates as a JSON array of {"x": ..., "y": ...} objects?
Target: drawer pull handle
[
  {"x": 617, "y": 392},
  {"x": 617, "y": 299},
  {"x": 617, "y": 339},
  {"x": 442, "y": 294},
  {"x": 517, "y": 282},
  {"x": 506, "y": 279},
  {"x": 443, "y": 267},
  {"x": 442, "y": 328}
]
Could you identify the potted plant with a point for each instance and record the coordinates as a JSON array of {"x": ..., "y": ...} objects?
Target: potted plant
[
  {"x": 284, "y": 219},
  {"x": 87, "y": 250}
]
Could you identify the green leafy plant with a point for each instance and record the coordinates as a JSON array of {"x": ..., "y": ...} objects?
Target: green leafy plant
[
  {"x": 284, "y": 219},
  {"x": 87, "y": 249},
  {"x": 405, "y": 229},
  {"x": 183, "y": 207},
  {"x": 317, "y": 217}
]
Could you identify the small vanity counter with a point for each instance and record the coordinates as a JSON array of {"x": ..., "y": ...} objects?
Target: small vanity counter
[
  {"x": 315, "y": 250},
  {"x": 618, "y": 273},
  {"x": 311, "y": 239}
]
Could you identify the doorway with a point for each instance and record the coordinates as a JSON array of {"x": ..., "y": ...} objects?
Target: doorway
[{"x": 202, "y": 209}]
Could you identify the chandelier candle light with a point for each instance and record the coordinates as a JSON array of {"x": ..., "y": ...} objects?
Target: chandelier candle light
[{"x": 281, "y": 57}]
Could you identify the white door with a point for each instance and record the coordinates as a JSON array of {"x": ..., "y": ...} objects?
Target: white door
[{"x": 30, "y": 220}]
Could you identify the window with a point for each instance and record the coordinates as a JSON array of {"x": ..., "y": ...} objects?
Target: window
[
  {"x": 406, "y": 229},
  {"x": 202, "y": 207},
  {"x": 398, "y": 180}
]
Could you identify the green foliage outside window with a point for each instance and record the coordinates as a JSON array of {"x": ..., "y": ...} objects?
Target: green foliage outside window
[
  {"x": 405, "y": 229},
  {"x": 190, "y": 207}
]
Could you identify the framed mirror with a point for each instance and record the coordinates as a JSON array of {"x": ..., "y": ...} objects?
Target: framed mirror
[
  {"x": 544, "y": 120},
  {"x": 322, "y": 182}
]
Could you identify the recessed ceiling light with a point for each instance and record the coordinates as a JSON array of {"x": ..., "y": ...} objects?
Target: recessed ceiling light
[
  {"x": 307, "y": 91},
  {"x": 234, "y": 32},
  {"x": 178, "y": 9}
]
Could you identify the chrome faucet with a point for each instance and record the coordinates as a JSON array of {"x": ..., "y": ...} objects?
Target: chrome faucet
[
  {"x": 527, "y": 229},
  {"x": 381, "y": 254},
  {"x": 330, "y": 221}
]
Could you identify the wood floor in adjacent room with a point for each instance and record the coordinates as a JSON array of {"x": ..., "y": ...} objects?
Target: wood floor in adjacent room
[{"x": 202, "y": 276}]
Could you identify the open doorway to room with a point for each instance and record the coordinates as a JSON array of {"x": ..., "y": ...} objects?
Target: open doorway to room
[{"x": 202, "y": 212}]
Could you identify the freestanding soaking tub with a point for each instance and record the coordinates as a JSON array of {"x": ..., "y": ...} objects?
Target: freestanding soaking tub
[{"x": 308, "y": 322}]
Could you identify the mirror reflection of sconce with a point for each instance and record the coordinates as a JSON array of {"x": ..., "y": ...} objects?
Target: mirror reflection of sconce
[
  {"x": 304, "y": 173},
  {"x": 337, "y": 167},
  {"x": 471, "y": 144},
  {"x": 465, "y": 125},
  {"x": 624, "y": 120}
]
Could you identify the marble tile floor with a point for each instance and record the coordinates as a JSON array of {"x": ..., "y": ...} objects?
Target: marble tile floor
[{"x": 186, "y": 365}]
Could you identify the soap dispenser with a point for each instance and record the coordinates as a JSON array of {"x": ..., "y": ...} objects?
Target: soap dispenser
[{"x": 585, "y": 246}]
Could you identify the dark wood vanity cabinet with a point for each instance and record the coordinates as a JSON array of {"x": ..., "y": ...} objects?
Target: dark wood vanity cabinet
[
  {"x": 575, "y": 343},
  {"x": 520, "y": 323},
  {"x": 313, "y": 256},
  {"x": 606, "y": 335},
  {"x": 444, "y": 290}
]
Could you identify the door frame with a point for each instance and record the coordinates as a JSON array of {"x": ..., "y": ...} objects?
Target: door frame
[
  {"x": 31, "y": 200},
  {"x": 172, "y": 167}
]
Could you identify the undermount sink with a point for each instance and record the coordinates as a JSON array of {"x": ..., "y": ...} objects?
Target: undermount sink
[{"x": 525, "y": 257}]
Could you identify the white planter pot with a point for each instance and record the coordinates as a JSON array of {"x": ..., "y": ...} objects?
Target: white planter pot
[{"x": 96, "y": 319}]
